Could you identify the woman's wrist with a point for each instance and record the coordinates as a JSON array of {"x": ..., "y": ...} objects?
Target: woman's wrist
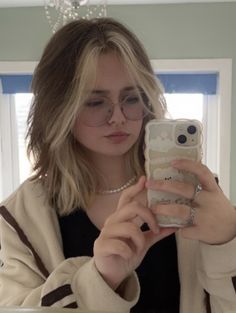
[{"x": 113, "y": 283}]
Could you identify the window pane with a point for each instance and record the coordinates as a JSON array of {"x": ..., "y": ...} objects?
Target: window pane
[
  {"x": 22, "y": 106},
  {"x": 185, "y": 105}
]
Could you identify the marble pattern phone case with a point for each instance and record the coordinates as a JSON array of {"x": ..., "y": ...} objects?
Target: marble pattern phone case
[{"x": 165, "y": 141}]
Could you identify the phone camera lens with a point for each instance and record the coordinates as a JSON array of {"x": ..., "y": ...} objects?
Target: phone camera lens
[
  {"x": 192, "y": 129},
  {"x": 182, "y": 138}
]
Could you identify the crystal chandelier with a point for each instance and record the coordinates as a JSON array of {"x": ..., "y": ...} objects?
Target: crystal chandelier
[{"x": 59, "y": 12}]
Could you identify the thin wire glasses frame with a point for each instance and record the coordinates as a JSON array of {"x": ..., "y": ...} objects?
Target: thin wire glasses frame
[{"x": 98, "y": 110}]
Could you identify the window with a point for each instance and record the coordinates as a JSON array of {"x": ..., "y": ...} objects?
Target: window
[
  {"x": 216, "y": 110},
  {"x": 11, "y": 123},
  {"x": 14, "y": 165}
]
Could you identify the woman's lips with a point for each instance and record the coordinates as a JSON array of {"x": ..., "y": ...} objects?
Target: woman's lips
[{"x": 117, "y": 137}]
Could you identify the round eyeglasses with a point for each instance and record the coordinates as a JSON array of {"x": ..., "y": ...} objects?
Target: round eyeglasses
[{"x": 97, "y": 111}]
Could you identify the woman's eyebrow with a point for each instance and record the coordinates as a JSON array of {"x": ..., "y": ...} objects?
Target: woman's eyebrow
[
  {"x": 129, "y": 88},
  {"x": 99, "y": 92},
  {"x": 106, "y": 91}
]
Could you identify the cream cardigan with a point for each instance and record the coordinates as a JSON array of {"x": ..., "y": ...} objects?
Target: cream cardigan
[{"x": 34, "y": 271}]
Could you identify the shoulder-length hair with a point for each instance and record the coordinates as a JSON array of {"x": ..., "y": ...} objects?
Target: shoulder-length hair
[{"x": 59, "y": 85}]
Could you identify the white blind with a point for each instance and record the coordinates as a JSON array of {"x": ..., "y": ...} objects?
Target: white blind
[{"x": 22, "y": 106}]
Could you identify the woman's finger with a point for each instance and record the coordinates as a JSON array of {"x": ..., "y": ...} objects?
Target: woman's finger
[
  {"x": 131, "y": 212},
  {"x": 109, "y": 247},
  {"x": 184, "y": 189},
  {"x": 128, "y": 194},
  {"x": 129, "y": 231},
  {"x": 204, "y": 175},
  {"x": 173, "y": 210},
  {"x": 152, "y": 238}
]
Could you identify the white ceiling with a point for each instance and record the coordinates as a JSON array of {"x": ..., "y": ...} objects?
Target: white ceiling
[{"x": 22, "y": 3}]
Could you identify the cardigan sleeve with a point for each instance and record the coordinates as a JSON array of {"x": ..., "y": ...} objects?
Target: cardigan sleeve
[
  {"x": 88, "y": 288},
  {"x": 217, "y": 274}
]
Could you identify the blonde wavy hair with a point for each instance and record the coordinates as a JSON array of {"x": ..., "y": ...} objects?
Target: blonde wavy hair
[{"x": 60, "y": 81}]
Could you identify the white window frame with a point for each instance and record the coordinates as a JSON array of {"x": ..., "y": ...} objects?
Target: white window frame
[
  {"x": 9, "y": 171},
  {"x": 221, "y": 66}
]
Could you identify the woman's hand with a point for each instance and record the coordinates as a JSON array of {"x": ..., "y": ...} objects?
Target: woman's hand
[
  {"x": 215, "y": 218},
  {"x": 121, "y": 246}
]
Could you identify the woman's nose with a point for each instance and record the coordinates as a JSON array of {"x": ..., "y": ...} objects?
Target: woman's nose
[{"x": 117, "y": 115}]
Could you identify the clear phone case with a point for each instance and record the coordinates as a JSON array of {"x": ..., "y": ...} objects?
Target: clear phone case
[{"x": 165, "y": 141}]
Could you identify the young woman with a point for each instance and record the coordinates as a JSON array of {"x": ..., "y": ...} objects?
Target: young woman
[{"x": 79, "y": 234}]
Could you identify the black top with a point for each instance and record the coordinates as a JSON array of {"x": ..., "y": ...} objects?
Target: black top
[{"x": 158, "y": 273}]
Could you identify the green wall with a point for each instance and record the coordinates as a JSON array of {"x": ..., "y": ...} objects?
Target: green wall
[{"x": 171, "y": 31}]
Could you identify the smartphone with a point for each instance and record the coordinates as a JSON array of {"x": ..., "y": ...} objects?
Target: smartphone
[{"x": 165, "y": 141}]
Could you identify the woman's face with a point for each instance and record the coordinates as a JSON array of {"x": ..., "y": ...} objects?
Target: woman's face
[{"x": 117, "y": 134}]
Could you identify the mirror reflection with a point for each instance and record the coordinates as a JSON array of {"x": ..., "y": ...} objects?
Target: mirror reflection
[{"x": 120, "y": 206}]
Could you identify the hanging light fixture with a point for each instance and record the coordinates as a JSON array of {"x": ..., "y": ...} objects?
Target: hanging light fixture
[{"x": 59, "y": 12}]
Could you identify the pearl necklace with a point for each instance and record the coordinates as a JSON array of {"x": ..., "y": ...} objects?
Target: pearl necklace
[{"x": 111, "y": 191}]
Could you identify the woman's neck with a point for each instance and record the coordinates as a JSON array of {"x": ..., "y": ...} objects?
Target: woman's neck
[{"x": 113, "y": 171}]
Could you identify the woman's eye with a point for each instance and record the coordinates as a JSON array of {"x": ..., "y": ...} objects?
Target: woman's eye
[
  {"x": 132, "y": 99},
  {"x": 95, "y": 103}
]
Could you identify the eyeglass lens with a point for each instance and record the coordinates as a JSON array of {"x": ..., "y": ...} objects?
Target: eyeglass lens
[{"x": 98, "y": 110}]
